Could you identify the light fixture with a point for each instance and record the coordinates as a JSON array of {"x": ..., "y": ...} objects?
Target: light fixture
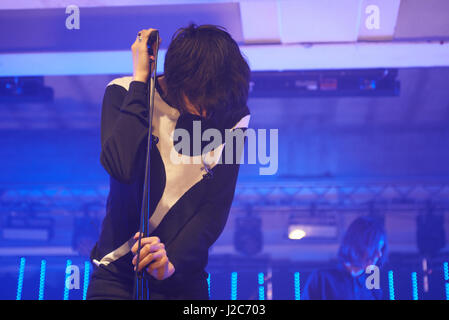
[
  {"x": 295, "y": 232},
  {"x": 24, "y": 89},
  {"x": 312, "y": 225}
]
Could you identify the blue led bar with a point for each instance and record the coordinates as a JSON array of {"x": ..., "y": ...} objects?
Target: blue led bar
[
  {"x": 42, "y": 279},
  {"x": 415, "y": 286},
  {"x": 446, "y": 278},
  {"x": 261, "y": 286},
  {"x": 446, "y": 271},
  {"x": 67, "y": 274},
  {"x": 391, "y": 284},
  {"x": 234, "y": 286},
  {"x": 297, "y": 286},
  {"x": 20, "y": 280},
  {"x": 208, "y": 284},
  {"x": 86, "y": 278}
]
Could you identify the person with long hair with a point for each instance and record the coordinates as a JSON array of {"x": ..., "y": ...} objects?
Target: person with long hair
[
  {"x": 204, "y": 85},
  {"x": 364, "y": 244}
]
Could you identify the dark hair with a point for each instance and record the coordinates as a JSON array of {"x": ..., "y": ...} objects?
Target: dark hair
[
  {"x": 205, "y": 63},
  {"x": 361, "y": 241}
]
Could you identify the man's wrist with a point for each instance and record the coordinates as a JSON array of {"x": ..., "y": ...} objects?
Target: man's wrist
[{"x": 141, "y": 78}]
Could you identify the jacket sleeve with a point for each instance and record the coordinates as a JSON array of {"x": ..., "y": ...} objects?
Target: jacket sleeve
[
  {"x": 313, "y": 288},
  {"x": 124, "y": 125},
  {"x": 190, "y": 248}
]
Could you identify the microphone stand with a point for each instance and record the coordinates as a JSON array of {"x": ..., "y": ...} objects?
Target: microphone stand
[{"x": 140, "y": 283}]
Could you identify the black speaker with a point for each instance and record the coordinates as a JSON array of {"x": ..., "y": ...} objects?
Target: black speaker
[
  {"x": 430, "y": 234},
  {"x": 248, "y": 238}
]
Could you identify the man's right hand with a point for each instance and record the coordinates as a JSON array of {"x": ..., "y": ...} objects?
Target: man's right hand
[
  {"x": 153, "y": 257},
  {"x": 141, "y": 59}
]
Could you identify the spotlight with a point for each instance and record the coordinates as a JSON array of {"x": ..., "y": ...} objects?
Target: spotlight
[
  {"x": 312, "y": 225},
  {"x": 295, "y": 232}
]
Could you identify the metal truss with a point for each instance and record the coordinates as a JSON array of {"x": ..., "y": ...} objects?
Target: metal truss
[{"x": 348, "y": 194}]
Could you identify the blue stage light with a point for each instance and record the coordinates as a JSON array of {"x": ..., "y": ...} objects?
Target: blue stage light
[
  {"x": 234, "y": 286},
  {"x": 446, "y": 278},
  {"x": 261, "y": 286},
  {"x": 415, "y": 286},
  {"x": 67, "y": 274},
  {"x": 86, "y": 278},
  {"x": 297, "y": 286},
  {"x": 391, "y": 284},
  {"x": 208, "y": 284},
  {"x": 42, "y": 279},
  {"x": 446, "y": 271},
  {"x": 20, "y": 280}
]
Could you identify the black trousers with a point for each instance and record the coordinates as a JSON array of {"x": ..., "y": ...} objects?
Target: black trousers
[{"x": 105, "y": 285}]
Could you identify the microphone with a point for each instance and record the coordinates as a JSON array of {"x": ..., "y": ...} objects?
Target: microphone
[{"x": 154, "y": 36}]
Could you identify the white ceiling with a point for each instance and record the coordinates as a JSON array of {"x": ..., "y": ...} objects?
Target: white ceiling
[{"x": 298, "y": 21}]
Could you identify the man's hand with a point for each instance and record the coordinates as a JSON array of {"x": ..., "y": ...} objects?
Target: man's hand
[
  {"x": 141, "y": 59},
  {"x": 153, "y": 257}
]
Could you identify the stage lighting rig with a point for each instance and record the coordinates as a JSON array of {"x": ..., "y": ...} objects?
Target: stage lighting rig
[
  {"x": 24, "y": 89},
  {"x": 325, "y": 83}
]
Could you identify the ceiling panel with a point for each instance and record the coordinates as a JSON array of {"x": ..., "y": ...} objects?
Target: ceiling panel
[
  {"x": 378, "y": 19},
  {"x": 45, "y": 4},
  {"x": 109, "y": 28},
  {"x": 260, "y": 21},
  {"x": 418, "y": 19},
  {"x": 319, "y": 20}
]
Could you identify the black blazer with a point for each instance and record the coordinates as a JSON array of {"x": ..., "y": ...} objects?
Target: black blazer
[{"x": 191, "y": 223}]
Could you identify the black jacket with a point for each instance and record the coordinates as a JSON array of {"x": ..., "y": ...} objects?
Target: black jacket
[
  {"x": 338, "y": 284},
  {"x": 190, "y": 210}
]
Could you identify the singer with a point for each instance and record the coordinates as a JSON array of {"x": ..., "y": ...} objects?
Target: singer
[{"x": 205, "y": 79}]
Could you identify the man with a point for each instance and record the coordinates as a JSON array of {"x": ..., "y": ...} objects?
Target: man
[
  {"x": 205, "y": 82},
  {"x": 364, "y": 244}
]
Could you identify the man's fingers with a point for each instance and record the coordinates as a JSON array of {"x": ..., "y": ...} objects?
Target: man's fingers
[
  {"x": 136, "y": 236},
  {"x": 144, "y": 242},
  {"x": 145, "y": 34},
  {"x": 142, "y": 34},
  {"x": 141, "y": 44},
  {"x": 150, "y": 257},
  {"x": 147, "y": 249},
  {"x": 145, "y": 261},
  {"x": 157, "y": 264}
]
